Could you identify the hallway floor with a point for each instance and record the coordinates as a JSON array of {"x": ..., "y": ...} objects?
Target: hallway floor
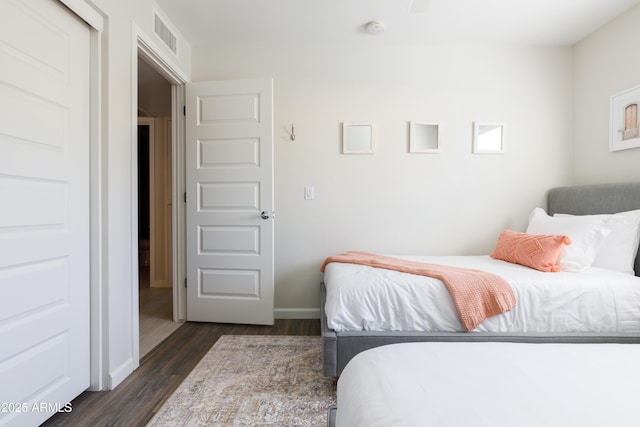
[{"x": 156, "y": 314}]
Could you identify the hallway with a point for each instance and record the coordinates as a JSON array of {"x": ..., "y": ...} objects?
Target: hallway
[{"x": 156, "y": 314}]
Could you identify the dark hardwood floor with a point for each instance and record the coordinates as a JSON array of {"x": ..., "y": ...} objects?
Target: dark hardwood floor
[{"x": 141, "y": 395}]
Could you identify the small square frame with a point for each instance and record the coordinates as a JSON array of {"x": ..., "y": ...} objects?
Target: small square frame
[
  {"x": 358, "y": 138},
  {"x": 488, "y": 137},
  {"x": 424, "y": 137}
]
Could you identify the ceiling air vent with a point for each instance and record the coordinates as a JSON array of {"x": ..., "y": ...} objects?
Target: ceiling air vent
[{"x": 162, "y": 30}]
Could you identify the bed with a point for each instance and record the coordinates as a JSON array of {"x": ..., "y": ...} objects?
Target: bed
[
  {"x": 342, "y": 343},
  {"x": 490, "y": 384}
]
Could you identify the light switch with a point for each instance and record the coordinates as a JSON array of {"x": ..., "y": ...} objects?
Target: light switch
[{"x": 308, "y": 192}]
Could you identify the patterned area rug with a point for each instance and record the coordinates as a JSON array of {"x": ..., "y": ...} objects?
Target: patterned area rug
[{"x": 253, "y": 381}]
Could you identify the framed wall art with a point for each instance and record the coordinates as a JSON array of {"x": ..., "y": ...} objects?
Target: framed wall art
[
  {"x": 623, "y": 123},
  {"x": 358, "y": 138},
  {"x": 488, "y": 138},
  {"x": 424, "y": 137}
]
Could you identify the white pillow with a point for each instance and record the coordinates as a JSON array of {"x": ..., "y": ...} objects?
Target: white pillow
[
  {"x": 587, "y": 233},
  {"x": 619, "y": 249}
]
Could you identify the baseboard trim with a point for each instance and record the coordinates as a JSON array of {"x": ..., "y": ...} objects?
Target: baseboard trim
[
  {"x": 161, "y": 284},
  {"x": 296, "y": 313},
  {"x": 120, "y": 373}
]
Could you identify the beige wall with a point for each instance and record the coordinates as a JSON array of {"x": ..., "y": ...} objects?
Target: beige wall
[
  {"x": 161, "y": 268},
  {"x": 394, "y": 202},
  {"x": 605, "y": 63}
]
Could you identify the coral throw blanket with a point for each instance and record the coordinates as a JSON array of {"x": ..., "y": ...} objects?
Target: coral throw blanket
[{"x": 477, "y": 295}]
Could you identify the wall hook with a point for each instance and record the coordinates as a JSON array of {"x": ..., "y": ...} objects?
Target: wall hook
[{"x": 292, "y": 133}]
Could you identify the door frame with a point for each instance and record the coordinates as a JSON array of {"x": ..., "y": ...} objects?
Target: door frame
[
  {"x": 146, "y": 48},
  {"x": 143, "y": 45},
  {"x": 98, "y": 330}
]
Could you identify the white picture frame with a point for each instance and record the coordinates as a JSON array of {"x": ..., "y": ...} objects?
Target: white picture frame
[
  {"x": 488, "y": 138},
  {"x": 624, "y": 121},
  {"x": 424, "y": 137},
  {"x": 358, "y": 138}
]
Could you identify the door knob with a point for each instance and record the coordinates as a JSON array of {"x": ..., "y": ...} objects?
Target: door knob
[{"x": 267, "y": 214}]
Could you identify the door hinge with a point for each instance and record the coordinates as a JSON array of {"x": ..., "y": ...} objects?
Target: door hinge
[
  {"x": 185, "y": 197},
  {"x": 185, "y": 282},
  {"x": 184, "y": 110}
]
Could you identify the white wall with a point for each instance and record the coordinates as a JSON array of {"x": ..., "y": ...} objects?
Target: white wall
[
  {"x": 394, "y": 202},
  {"x": 605, "y": 63},
  {"x": 391, "y": 202},
  {"x": 123, "y": 19}
]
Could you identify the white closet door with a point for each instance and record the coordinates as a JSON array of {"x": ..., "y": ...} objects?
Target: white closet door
[{"x": 44, "y": 213}]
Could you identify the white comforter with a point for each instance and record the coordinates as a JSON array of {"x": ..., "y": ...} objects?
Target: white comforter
[
  {"x": 366, "y": 298},
  {"x": 491, "y": 385}
]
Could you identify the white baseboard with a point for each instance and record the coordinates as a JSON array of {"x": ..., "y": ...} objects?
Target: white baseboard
[
  {"x": 161, "y": 284},
  {"x": 296, "y": 313},
  {"x": 120, "y": 373}
]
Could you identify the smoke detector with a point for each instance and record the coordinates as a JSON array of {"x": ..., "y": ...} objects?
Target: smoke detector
[{"x": 374, "y": 27}]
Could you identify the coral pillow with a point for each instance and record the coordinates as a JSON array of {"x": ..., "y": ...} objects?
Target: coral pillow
[{"x": 539, "y": 251}]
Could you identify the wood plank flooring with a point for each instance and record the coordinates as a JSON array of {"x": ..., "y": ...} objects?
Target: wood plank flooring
[{"x": 141, "y": 395}]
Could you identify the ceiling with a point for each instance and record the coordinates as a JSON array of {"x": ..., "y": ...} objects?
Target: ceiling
[
  {"x": 154, "y": 92},
  {"x": 342, "y": 22}
]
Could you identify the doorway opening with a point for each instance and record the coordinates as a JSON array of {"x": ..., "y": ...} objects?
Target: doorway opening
[{"x": 155, "y": 254}]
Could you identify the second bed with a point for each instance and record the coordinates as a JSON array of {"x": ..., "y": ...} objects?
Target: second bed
[{"x": 365, "y": 307}]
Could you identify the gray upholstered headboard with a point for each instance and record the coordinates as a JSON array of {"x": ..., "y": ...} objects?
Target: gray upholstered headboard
[{"x": 596, "y": 199}]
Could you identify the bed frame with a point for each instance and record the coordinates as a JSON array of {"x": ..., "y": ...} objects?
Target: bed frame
[{"x": 340, "y": 347}]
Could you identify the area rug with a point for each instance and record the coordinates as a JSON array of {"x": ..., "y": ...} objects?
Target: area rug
[{"x": 253, "y": 381}]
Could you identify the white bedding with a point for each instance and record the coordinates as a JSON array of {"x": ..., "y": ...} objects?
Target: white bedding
[
  {"x": 365, "y": 298},
  {"x": 491, "y": 385}
]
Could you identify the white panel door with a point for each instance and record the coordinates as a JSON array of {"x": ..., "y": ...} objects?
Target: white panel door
[
  {"x": 229, "y": 156},
  {"x": 44, "y": 210}
]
